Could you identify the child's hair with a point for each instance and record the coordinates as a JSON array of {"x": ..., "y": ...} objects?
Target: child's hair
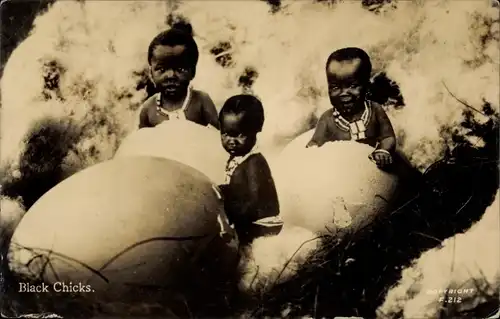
[
  {"x": 351, "y": 53},
  {"x": 176, "y": 36},
  {"x": 250, "y": 106}
]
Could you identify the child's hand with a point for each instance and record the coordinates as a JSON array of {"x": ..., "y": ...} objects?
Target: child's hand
[{"x": 381, "y": 157}]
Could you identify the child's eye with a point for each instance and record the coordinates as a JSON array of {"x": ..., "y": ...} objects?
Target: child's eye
[
  {"x": 239, "y": 136},
  {"x": 181, "y": 70}
]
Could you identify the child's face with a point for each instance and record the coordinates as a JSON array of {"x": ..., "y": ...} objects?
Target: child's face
[
  {"x": 346, "y": 85},
  {"x": 171, "y": 71},
  {"x": 236, "y": 141}
]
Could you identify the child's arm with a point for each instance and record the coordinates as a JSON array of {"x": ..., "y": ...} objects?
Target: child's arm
[
  {"x": 387, "y": 139},
  {"x": 209, "y": 111},
  {"x": 144, "y": 116},
  {"x": 321, "y": 132}
]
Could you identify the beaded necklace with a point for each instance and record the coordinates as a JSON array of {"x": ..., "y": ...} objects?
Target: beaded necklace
[
  {"x": 177, "y": 114},
  {"x": 356, "y": 128}
]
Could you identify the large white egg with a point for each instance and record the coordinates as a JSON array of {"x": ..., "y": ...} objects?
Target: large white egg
[
  {"x": 183, "y": 141},
  {"x": 298, "y": 143},
  {"x": 332, "y": 187},
  {"x": 127, "y": 224}
]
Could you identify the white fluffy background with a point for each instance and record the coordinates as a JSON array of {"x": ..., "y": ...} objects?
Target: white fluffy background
[
  {"x": 101, "y": 44},
  {"x": 465, "y": 261},
  {"x": 11, "y": 212},
  {"x": 275, "y": 259}
]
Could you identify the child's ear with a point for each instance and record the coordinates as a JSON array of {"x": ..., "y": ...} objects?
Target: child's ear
[
  {"x": 257, "y": 135},
  {"x": 257, "y": 139}
]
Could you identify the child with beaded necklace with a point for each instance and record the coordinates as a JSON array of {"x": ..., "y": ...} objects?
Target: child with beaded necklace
[
  {"x": 352, "y": 116},
  {"x": 173, "y": 56}
]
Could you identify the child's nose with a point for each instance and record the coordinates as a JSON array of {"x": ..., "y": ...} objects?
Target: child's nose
[
  {"x": 170, "y": 73},
  {"x": 344, "y": 92}
]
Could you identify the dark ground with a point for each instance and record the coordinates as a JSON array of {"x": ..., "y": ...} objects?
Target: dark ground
[{"x": 452, "y": 195}]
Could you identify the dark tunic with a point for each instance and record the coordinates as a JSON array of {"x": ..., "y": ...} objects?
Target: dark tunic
[
  {"x": 378, "y": 128},
  {"x": 251, "y": 195},
  {"x": 200, "y": 109}
]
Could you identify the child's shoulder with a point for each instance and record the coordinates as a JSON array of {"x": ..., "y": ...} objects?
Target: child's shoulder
[
  {"x": 257, "y": 157},
  {"x": 380, "y": 115},
  {"x": 150, "y": 102},
  {"x": 256, "y": 160},
  {"x": 254, "y": 166},
  {"x": 199, "y": 92},
  {"x": 201, "y": 96},
  {"x": 326, "y": 114},
  {"x": 376, "y": 107}
]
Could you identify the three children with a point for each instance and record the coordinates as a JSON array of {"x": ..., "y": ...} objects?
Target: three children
[{"x": 249, "y": 193}]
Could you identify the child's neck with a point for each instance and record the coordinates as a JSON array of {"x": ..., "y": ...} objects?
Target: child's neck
[
  {"x": 247, "y": 152},
  {"x": 172, "y": 104},
  {"x": 355, "y": 115}
]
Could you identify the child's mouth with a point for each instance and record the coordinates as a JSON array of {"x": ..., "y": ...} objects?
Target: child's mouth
[
  {"x": 346, "y": 101},
  {"x": 171, "y": 88},
  {"x": 232, "y": 150},
  {"x": 346, "y": 105}
]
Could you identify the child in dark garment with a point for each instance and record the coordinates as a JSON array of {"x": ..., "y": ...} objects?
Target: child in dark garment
[
  {"x": 250, "y": 198},
  {"x": 352, "y": 116},
  {"x": 172, "y": 57}
]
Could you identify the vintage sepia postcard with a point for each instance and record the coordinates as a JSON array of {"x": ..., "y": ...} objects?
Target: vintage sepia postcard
[{"x": 249, "y": 159}]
